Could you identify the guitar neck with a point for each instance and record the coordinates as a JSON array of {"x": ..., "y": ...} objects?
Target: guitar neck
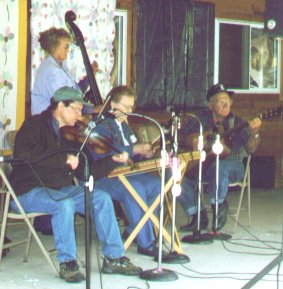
[
  {"x": 234, "y": 129},
  {"x": 263, "y": 116}
]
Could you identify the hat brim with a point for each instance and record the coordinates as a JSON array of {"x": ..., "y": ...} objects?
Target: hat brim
[
  {"x": 229, "y": 92},
  {"x": 79, "y": 100}
]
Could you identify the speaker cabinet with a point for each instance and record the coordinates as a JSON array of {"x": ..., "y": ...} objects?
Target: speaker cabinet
[
  {"x": 262, "y": 172},
  {"x": 273, "y": 20}
]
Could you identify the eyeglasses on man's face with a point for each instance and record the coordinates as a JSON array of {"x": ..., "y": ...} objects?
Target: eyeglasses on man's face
[
  {"x": 127, "y": 107},
  {"x": 223, "y": 102},
  {"x": 76, "y": 109}
]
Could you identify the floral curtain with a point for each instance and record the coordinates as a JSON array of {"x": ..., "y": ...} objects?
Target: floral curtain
[
  {"x": 95, "y": 18},
  {"x": 8, "y": 65}
]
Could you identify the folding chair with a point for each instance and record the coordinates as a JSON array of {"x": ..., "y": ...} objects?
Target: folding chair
[
  {"x": 28, "y": 218},
  {"x": 245, "y": 185},
  {"x": 10, "y": 138}
]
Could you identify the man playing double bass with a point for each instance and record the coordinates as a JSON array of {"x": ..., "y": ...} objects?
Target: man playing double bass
[{"x": 231, "y": 168}]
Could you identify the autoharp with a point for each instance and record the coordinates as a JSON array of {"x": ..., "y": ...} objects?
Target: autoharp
[{"x": 151, "y": 165}]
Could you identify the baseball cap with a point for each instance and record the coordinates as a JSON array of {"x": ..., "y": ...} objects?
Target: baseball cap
[
  {"x": 217, "y": 88},
  {"x": 69, "y": 94}
]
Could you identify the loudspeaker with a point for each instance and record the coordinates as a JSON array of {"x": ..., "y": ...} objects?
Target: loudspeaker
[
  {"x": 273, "y": 20},
  {"x": 262, "y": 172}
]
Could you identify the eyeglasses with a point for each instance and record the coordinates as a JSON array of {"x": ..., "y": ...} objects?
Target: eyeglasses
[
  {"x": 127, "y": 107},
  {"x": 76, "y": 109},
  {"x": 223, "y": 102}
]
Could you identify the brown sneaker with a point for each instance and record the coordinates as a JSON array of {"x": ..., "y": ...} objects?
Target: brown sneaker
[
  {"x": 69, "y": 271},
  {"x": 120, "y": 266}
]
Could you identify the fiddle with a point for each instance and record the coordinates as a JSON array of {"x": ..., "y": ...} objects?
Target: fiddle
[{"x": 81, "y": 133}]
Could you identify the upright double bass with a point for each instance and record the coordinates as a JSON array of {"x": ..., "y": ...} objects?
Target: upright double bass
[
  {"x": 94, "y": 97},
  {"x": 80, "y": 132}
]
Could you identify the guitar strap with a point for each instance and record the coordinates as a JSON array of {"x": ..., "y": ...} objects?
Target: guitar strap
[{"x": 231, "y": 122}]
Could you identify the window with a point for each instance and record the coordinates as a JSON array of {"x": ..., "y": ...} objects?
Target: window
[
  {"x": 118, "y": 73},
  {"x": 246, "y": 58}
]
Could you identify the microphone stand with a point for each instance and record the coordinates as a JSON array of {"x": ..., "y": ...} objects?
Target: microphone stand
[
  {"x": 159, "y": 274},
  {"x": 197, "y": 237},
  {"x": 174, "y": 257},
  {"x": 88, "y": 187},
  {"x": 217, "y": 148}
]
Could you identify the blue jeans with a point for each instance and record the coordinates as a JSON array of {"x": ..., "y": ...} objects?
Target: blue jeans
[
  {"x": 229, "y": 172},
  {"x": 62, "y": 205},
  {"x": 148, "y": 187}
]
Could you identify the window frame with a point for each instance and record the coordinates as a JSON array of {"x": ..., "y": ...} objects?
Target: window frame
[
  {"x": 120, "y": 55},
  {"x": 257, "y": 25}
]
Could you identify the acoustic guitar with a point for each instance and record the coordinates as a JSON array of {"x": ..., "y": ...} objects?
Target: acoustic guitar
[{"x": 226, "y": 138}]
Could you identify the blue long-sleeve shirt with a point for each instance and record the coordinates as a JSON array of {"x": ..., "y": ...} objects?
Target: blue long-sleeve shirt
[
  {"x": 51, "y": 76},
  {"x": 110, "y": 129}
]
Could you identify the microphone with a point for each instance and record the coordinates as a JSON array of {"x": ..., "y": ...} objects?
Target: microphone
[
  {"x": 109, "y": 114},
  {"x": 7, "y": 159},
  {"x": 92, "y": 125},
  {"x": 217, "y": 147},
  {"x": 10, "y": 160}
]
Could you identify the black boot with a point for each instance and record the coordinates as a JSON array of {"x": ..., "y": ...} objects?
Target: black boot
[
  {"x": 222, "y": 215},
  {"x": 192, "y": 226}
]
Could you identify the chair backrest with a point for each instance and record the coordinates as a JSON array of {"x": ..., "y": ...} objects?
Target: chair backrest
[
  {"x": 10, "y": 194},
  {"x": 22, "y": 215},
  {"x": 246, "y": 179},
  {"x": 10, "y": 137}
]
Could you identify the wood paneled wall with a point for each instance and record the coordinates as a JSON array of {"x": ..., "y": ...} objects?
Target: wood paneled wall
[{"x": 245, "y": 105}]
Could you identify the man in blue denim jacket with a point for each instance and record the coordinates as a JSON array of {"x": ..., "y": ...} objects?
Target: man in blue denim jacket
[{"x": 147, "y": 185}]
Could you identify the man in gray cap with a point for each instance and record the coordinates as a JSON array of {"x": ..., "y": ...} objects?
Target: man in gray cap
[
  {"x": 216, "y": 120},
  {"x": 48, "y": 188}
]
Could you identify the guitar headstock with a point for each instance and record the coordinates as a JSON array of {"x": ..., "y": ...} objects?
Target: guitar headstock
[{"x": 272, "y": 114}]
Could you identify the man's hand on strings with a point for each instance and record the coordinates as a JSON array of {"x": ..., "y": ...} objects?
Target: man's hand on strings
[
  {"x": 72, "y": 161},
  {"x": 144, "y": 149},
  {"x": 121, "y": 158},
  {"x": 255, "y": 125}
]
